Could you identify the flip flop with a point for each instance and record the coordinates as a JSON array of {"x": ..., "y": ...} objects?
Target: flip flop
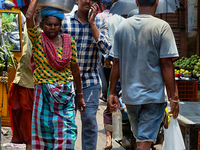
[{"x": 103, "y": 99}]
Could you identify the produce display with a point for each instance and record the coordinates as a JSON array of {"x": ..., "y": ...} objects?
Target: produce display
[
  {"x": 188, "y": 67},
  {"x": 187, "y": 62},
  {"x": 182, "y": 72}
]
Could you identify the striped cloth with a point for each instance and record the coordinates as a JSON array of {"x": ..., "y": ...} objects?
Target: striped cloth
[
  {"x": 51, "y": 53},
  {"x": 53, "y": 120}
]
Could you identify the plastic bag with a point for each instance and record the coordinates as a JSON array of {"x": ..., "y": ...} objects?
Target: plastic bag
[{"x": 173, "y": 139}]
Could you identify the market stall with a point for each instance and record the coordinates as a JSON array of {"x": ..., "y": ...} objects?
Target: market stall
[{"x": 187, "y": 75}]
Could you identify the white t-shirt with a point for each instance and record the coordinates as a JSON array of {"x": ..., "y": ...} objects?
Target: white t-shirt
[{"x": 139, "y": 43}]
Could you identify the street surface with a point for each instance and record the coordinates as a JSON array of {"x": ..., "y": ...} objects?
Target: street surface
[{"x": 6, "y": 134}]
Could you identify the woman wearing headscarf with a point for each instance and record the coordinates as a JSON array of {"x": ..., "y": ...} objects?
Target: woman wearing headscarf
[{"x": 56, "y": 68}]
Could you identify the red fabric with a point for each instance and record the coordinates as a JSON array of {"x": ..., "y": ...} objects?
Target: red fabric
[
  {"x": 9, "y": 106},
  {"x": 20, "y": 109},
  {"x": 20, "y": 3},
  {"x": 52, "y": 55}
]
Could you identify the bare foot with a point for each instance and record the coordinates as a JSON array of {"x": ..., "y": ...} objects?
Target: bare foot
[{"x": 108, "y": 142}]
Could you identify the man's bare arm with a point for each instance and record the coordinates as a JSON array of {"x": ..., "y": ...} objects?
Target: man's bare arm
[{"x": 169, "y": 78}]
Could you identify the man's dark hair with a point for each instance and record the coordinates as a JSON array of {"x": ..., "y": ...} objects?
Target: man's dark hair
[
  {"x": 107, "y": 5},
  {"x": 146, "y": 2}
]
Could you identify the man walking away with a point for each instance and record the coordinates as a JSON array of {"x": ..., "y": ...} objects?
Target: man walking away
[{"x": 143, "y": 50}]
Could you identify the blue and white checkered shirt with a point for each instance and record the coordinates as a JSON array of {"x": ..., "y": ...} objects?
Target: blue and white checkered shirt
[{"x": 87, "y": 47}]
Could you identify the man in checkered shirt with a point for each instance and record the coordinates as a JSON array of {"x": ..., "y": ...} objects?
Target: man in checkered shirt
[{"x": 91, "y": 36}]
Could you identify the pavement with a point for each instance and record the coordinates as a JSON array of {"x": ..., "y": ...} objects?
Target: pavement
[{"x": 6, "y": 134}]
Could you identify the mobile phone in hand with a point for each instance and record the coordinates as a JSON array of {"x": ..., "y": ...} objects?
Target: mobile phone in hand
[{"x": 90, "y": 11}]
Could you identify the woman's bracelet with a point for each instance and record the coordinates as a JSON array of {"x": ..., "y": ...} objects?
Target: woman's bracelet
[{"x": 174, "y": 100}]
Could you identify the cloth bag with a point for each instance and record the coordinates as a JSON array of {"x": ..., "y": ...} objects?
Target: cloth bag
[{"x": 173, "y": 139}]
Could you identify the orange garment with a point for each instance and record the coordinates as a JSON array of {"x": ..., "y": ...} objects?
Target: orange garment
[{"x": 21, "y": 106}]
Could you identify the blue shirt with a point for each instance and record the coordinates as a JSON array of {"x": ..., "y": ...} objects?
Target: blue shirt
[
  {"x": 87, "y": 47},
  {"x": 139, "y": 43}
]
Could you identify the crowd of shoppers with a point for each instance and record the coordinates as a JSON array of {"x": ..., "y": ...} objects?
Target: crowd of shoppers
[{"x": 66, "y": 78}]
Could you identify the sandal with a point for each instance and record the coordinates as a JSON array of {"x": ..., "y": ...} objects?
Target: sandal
[
  {"x": 103, "y": 98},
  {"x": 108, "y": 147}
]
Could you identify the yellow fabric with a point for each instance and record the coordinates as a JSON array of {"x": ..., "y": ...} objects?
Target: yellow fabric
[
  {"x": 24, "y": 76},
  {"x": 44, "y": 72}
]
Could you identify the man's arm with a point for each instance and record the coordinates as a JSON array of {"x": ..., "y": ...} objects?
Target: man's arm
[
  {"x": 104, "y": 42},
  {"x": 169, "y": 78},
  {"x": 114, "y": 76}
]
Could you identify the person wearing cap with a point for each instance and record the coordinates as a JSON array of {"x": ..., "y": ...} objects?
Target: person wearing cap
[
  {"x": 91, "y": 35},
  {"x": 56, "y": 71}
]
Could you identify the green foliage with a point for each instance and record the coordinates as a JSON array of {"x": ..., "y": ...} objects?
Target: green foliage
[
  {"x": 11, "y": 61},
  {"x": 6, "y": 25},
  {"x": 7, "y": 48}
]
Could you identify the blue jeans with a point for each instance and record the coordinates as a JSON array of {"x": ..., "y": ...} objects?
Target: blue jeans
[
  {"x": 145, "y": 120},
  {"x": 89, "y": 123}
]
